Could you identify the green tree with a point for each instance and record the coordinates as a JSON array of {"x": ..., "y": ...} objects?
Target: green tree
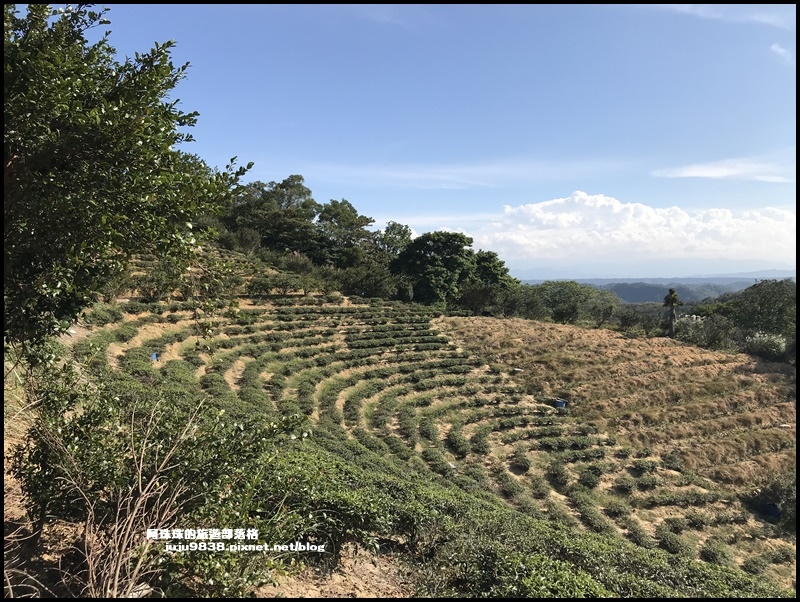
[
  {"x": 436, "y": 263},
  {"x": 490, "y": 270},
  {"x": 91, "y": 173},
  {"x": 525, "y": 301},
  {"x": 769, "y": 306},
  {"x": 283, "y": 214},
  {"x": 671, "y": 300},
  {"x": 391, "y": 241},
  {"x": 487, "y": 284},
  {"x": 566, "y": 300},
  {"x": 345, "y": 234},
  {"x": 602, "y": 305}
]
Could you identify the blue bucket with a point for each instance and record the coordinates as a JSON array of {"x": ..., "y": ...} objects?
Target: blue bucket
[{"x": 560, "y": 403}]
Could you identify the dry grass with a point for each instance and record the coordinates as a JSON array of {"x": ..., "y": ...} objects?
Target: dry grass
[
  {"x": 721, "y": 409},
  {"x": 732, "y": 417}
]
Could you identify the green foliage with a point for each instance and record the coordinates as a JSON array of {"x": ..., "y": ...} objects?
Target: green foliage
[
  {"x": 676, "y": 524},
  {"x": 673, "y": 460},
  {"x": 625, "y": 483},
  {"x": 672, "y": 301},
  {"x": 644, "y": 466},
  {"x": 589, "y": 476},
  {"x": 768, "y": 346},
  {"x": 160, "y": 281},
  {"x": 458, "y": 443},
  {"x": 520, "y": 460},
  {"x": 281, "y": 213},
  {"x": 125, "y": 332},
  {"x": 697, "y": 519},
  {"x": 587, "y": 508},
  {"x": 716, "y": 551},
  {"x": 436, "y": 263},
  {"x": 648, "y": 481},
  {"x": 508, "y": 485},
  {"x": 539, "y": 486},
  {"x": 769, "y": 306},
  {"x": 637, "y": 534},
  {"x": 623, "y": 452},
  {"x": 489, "y": 567},
  {"x": 760, "y": 319},
  {"x": 712, "y": 332},
  {"x": 89, "y": 142},
  {"x": 775, "y": 498},
  {"x": 565, "y": 299},
  {"x": 617, "y": 508},
  {"x": 428, "y": 428},
  {"x": 479, "y": 441},
  {"x": 674, "y": 543},
  {"x": 558, "y": 474},
  {"x": 755, "y": 565},
  {"x": 343, "y": 233},
  {"x": 102, "y": 314}
]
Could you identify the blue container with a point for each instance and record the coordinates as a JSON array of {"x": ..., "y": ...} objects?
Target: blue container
[{"x": 560, "y": 403}]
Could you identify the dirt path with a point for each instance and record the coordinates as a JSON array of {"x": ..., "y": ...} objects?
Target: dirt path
[{"x": 360, "y": 574}]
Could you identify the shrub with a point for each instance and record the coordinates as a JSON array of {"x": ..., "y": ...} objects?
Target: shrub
[
  {"x": 716, "y": 552},
  {"x": 103, "y": 313},
  {"x": 588, "y": 479},
  {"x": 617, "y": 509},
  {"x": 125, "y": 332},
  {"x": 428, "y": 428},
  {"x": 771, "y": 347},
  {"x": 509, "y": 486},
  {"x": 558, "y": 473},
  {"x": 782, "y": 555},
  {"x": 674, "y": 543},
  {"x": 625, "y": 483},
  {"x": 648, "y": 481},
  {"x": 755, "y": 565},
  {"x": 458, "y": 443},
  {"x": 676, "y": 524},
  {"x": 643, "y": 465},
  {"x": 480, "y": 442},
  {"x": 397, "y": 447},
  {"x": 539, "y": 486},
  {"x": 436, "y": 461},
  {"x": 776, "y": 499},
  {"x": 521, "y": 461},
  {"x": 623, "y": 452},
  {"x": 697, "y": 519},
  {"x": 674, "y": 461}
]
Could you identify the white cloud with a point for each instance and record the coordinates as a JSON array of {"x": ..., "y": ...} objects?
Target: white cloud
[
  {"x": 460, "y": 176},
  {"x": 403, "y": 16},
  {"x": 782, "y": 16},
  {"x": 782, "y": 52},
  {"x": 779, "y": 168},
  {"x": 596, "y": 228}
]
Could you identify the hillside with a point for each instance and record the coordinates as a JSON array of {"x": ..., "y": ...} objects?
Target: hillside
[
  {"x": 442, "y": 450},
  {"x": 728, "y": 416}
]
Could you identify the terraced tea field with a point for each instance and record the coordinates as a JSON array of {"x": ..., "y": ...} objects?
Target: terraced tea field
[
  {"x": 727, "y": 416},
  {"x": 653, "y": 441}
]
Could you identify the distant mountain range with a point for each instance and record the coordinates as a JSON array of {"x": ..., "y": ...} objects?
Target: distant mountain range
[
  {"x": 752, "y": 277},
  {"x": 690, "y": 288}
]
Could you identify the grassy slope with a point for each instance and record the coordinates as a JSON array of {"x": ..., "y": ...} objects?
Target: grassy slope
[{"x": 385, "y": 389}]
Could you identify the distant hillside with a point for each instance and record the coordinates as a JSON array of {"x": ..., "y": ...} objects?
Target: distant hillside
[{"x": 644, "y": 290}]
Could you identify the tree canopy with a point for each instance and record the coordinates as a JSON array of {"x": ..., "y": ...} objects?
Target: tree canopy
[
  {"x": 436, "y": 263},
  {"x": 91, "y": 171}
]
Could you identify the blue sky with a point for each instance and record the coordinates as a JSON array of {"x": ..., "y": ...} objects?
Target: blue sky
[{"x": 574, "y": 140}]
